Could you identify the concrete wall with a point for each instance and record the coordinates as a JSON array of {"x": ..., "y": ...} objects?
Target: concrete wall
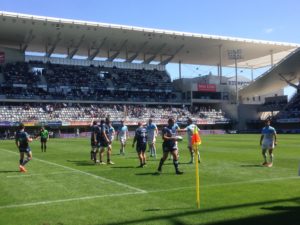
[
  {"x": 247, "y": 112},
  {"x": 12, "y": 55}
]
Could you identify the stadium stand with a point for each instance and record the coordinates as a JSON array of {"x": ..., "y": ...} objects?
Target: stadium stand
[
  {"x": 36, "y": 80},
  {"x": 14, "y": 112},
  {"x": 292, "y": 109}
]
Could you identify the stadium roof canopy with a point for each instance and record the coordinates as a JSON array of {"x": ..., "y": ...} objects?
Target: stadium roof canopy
[
  {"x": 91, "y": 39},
  {"x": 277, "y": 77}
]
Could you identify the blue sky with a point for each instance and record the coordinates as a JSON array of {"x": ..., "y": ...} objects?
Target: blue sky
[{"x": 274, "y": 20}]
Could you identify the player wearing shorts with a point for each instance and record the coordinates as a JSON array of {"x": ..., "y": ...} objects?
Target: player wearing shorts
[
  {"x": 152, "y": 132},
  {"x": 122, "y": 136},
  {"x": 189, "y": 132},
  {"x": 268, "y": 140},
  {"x": 44, "y": 135},
  {"x": 140, "y": 138},
  {"x": 175, "y": 128},
  {"x": 169, "y": 146},
  {"x": 103, "y": 142},
  {"x": 94, "y": 149},
  {"x": 22, "y": 141},
  {"x": 110, "y": 134}
]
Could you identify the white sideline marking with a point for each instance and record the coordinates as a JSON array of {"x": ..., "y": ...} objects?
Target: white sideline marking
[
  {"x": 226, "y": 184},
  {"x": 82, "y": 172},
  {"x": 136, "y": 193},
  {"x": 67, "y": 200},
  {"x": 38, "y": 174}
]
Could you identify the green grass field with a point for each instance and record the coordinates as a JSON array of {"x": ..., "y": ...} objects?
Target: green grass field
[{"x": 64, "y": 187}]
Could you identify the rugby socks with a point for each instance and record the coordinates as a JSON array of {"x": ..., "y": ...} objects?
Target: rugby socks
[
  {"x": 175, "y": 162},
  {"x": 264, "y": 153},
  {"x": 154, "y": 151},
  {"x": 161, "y": 162},
  {"x": 21, "y": 161},
  {"x": 25, "y": 161},
  {"x": 177, "y": 171},
  {"x": 271, "y": 157}
]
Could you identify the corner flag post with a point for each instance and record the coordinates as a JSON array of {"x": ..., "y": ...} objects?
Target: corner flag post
[
  {"x": 197, "y": 177},
  {"x": 196, "y": 141}
]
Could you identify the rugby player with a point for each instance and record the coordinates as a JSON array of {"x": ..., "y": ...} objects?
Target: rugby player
[
  {"x": 103, "y": 142},
  {"x": 189, "y": 132},
  {"x": 44, "y": 135},
  {"x": 268, "y": 140},
  {"x": 22, "y": 141},
  {"x": 152, "y": 132},
  {"x": 122, "y": 134},
  {"x": 140, "y": 138},
  {"x": 169, "y": 146}
]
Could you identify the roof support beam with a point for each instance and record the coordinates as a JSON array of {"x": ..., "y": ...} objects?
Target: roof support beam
[
  {"x": 52, "y": 48},
  {"x": 97, "y": 50},
  {"x": 75, "y": 49},
  {"x": 28, "y": 38},
  {"x": 166, "y": 61},
  {"x": 111, "y": 58},
  {"x": 133, "y": 57},
  {"x": 147, "y": 61}
]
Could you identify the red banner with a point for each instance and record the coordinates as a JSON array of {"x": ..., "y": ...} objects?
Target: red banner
[
  {"x": 2, "y": 57},
  {"x": 207, "y": 87}
]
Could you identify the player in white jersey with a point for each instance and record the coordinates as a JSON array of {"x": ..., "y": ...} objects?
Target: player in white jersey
[
  {"x": 268, "y": 140},
  {"x": 152, "y": 132},
  {"x": 189, "y": 131},
  {"x": 122, "y": 136}
]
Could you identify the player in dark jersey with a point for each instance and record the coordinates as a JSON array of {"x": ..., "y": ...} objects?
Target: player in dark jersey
[
  {"x": 140, "y": 138},
  {"x": 22, "y": 141},
  {"x": 44, "y": 134},
  {"x": 103, "y": 142},
  {"x": 94, "y": 128},
  {"x": 169, "y": 146}
]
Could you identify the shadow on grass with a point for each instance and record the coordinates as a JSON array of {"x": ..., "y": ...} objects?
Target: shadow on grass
[
  {"x": 281, "y": 215},
  {"x": 123, "y": 167},
  {"x": 252, "y": 165},
  {"x": 168, "y": 209},
  {"x": 9, "y": 171},
  {"x": 147, "y": 174},
  {"x": 82, "y": 162}
]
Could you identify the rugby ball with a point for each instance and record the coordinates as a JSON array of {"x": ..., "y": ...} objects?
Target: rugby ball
[{"x": 179, "y": 138}]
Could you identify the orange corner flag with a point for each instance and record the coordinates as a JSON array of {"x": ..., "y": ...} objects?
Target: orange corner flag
[{"x": 196, "y": 139}]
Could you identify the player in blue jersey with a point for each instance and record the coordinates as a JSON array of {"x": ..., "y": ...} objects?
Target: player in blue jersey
[
  {"x": 140, "y": 138},
  {"x": 189, "y": 131},
  {"x": 152, "y": 132},
  {"x": 22, "y": 141},
  {"x": 268, "y": 140},
  {"x": 122, "y": 134},
  {"x": 169, "y": 146}
]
